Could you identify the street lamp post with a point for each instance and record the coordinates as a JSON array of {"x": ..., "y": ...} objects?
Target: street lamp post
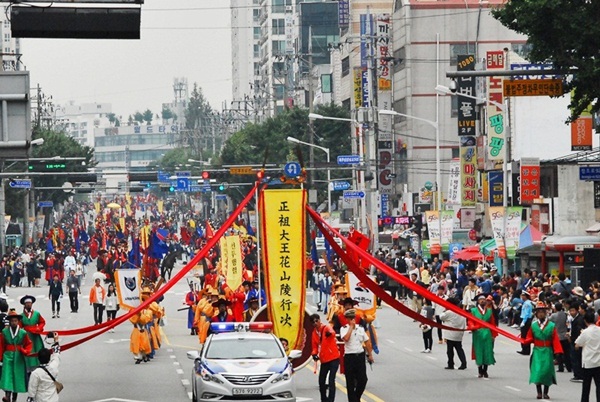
[
  {"x": 326, "y": 150},
  {"x": 359, "y": 175}
]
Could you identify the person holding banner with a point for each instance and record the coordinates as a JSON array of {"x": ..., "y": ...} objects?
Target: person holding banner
[{"x": 483, "y": 338}]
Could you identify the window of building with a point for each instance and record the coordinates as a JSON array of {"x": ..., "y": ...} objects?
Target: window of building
[
  {"x": 257, "y": 33},
  {"x": 279, "y": 69},
  {"x": 345, "y": 66},
  {"x": 256, "y": 51},
  {"x": 346, "y": 103},
  {"x": 278, "y": 26},
  {"x": 278, "y": 6},
  {"x": 278, "y": 47},
  {"x": 326, "y": 84},
  {"x": 256, "y": 68},
  {"x": 454, "y": 106},
  {"x": 279, "y": 91},
  {"x": 455, "y": 152},
  {"x": 399, "y": 59},
  {"x": 256, "y": 14},
  {"x": 6, "y": 37},
  {"x": 457, "y": 49}
]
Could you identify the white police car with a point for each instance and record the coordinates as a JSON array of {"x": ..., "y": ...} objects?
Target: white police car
[{"x": 237, "y": 363}]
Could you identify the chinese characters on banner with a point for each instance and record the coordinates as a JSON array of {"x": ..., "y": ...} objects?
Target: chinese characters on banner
[
  {"x": 358, "y": 93},
  {"x": 283, "y": 247},
  {"x": 385, "y": 141},
  {"x": 433, "y": 229},
  {"x": 468, "y": 176},
  {"x": 497, "y": 221},
  {"x": 466, "y": 106},
  {"x": 454, "y": 184},
  {"x": 495, "y": 116},
  {"x": 581, "y": 134},
  {"x": 530, "y": 180},
  {"x": 234, "y": 261},
  {"x": 495, "y": 188}
]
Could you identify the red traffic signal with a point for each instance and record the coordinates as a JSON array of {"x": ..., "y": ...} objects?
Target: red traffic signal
[
  {"x": 206, "y": 175},
  {"x": 260, "y": 174}
]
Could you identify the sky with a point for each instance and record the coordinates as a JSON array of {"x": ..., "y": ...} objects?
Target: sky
[{"x": 179, "y": 38}]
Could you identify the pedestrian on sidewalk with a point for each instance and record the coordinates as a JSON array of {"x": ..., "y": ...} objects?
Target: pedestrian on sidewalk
[
  {"x": 454, "y": 338},
  {"x": 588, "y": 343},
  {"x": 55, "y": 293},
  {"x": 358, "y": 351},
  {"x": 112, "y": 305},
  {"x": 74, "y": 287},
  {"x": 97, "y": 298},
  {"x": 427, "y": 312},
  {"x": 546, "y": 345},
  {"x": 559, "y": 318},
  {"x": 325, "y": 350}
]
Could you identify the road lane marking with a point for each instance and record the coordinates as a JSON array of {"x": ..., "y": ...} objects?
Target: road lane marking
[
  {"x": 173, "y": 356},
  {"x": 408, "y": 349},
  {"x": 190, "y": 395},
  {"x": 431, "y": 357},
  {"x": 390, "y": 341},
  {"x": 179, "y": 371},
  {"x": 185, "y": 382},
  {"x": 338, "y": 384},
  {"x": 512, "y": 388}
]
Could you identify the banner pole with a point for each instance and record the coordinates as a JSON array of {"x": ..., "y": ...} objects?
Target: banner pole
[{"x": 258, "y": 245}]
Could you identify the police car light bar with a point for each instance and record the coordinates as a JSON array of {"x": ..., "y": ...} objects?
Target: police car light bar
[{"x": 260, "y": 326}]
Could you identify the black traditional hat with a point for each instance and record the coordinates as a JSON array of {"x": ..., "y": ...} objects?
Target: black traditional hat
[{"x": 27, "y": 298}]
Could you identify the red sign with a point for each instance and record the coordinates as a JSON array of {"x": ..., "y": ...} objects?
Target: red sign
[
  {"x": 581, "y": 134},
  {"x": 472, "y": 235},
  {"x": 494, "y": 59},
  {"x": 530, "y": 180}
]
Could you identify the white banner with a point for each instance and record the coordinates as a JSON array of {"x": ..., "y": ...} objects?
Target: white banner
[
  {"x": 497, "y": 221},
  {"x": 433, "y": 228},
  {"x": 357, "y": 291},
  {"x": 454, "y": 184},
  {"x": 447, "y": 226},
  {"x": 129, "y": 286},
  {"x": 513, "y": 230}
]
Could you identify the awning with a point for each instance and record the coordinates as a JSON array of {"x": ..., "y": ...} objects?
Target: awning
[
  {"x": 487, "y": 247},
  {"x": 595, "y": 228},
  {"x": 471, "y": 253},
  {"x": 570, "y": 243}
]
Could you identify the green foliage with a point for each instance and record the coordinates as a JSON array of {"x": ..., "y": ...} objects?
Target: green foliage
[
  {"x": 138, "y": 117},
  {"x": 565, "y": 33},
  {"x": 198, "y": 110},
  {"x": 167, "y": 114},
  {"x": 177, "y": 157},
  {"x": 148, "y": 115}
]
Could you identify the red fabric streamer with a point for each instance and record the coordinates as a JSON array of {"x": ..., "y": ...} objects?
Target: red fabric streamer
[
  {"x": 375, "y": 288},
  {"x": 201, "y": 254},
  {"x": 407, "y": 283}
]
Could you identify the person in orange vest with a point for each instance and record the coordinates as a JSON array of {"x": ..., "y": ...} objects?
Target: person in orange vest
[
  {"x": 97, "y": 299},
  {"x": 325, "y": 350}
]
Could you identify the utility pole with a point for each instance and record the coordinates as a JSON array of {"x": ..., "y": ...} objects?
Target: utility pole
[
  {"x": 2, "y": 211},
  {"x": 311, "y": 108}
]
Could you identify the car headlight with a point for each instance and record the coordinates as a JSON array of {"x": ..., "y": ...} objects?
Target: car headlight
[
  {"x": 208, "y": 377},
  {"x": 285, "y": 375}
]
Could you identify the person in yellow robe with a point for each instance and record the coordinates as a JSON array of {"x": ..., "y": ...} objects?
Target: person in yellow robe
[
  {"x": 205, "y": 312},
  {"x": 140, "y": 340}
]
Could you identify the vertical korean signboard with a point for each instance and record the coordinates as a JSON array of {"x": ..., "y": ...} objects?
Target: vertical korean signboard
[
  {"x": 581, "y": 134},
  {"x": 384, "y": 100},
  {"x": 468, "y": 176},
  {"x": 283, "y": 245},
  {"x": 344, "y": 13},
  {"x": 358, "y": 94},
  {"x": 530, "y": 180},
  {"x": 466, "y": 106},
  {"x": 495, "y": 116},
  {"x": 495, "y": 188},
  {"x": 454, "y": 184}
]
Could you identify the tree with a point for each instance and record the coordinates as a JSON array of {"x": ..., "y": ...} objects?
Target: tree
[
  {"x": 130, "y": 120},
  {"x": 166, "y": 114},
  {"x": 112, "y": 118},
  {"x": 250, "y": 144},
  {"x": 148, "y": 115},
  {"x": 173, "y": 159},
  {"x": 138, "y": 117},
  {"x": 566, "y": 34},
  {"x": 198, "y": 117}
]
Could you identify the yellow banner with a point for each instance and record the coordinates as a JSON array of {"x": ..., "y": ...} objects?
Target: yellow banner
[
  {"x": 128, "y": 207},
  {"x": 128, "y": 198},
  {"x": 283, "y": 246},
  {"x": 97, "y": 207},
  {"x": 122, "y": 224},
  {"x": 159, "y": 205},
  {"x": 234, "y": 262}
]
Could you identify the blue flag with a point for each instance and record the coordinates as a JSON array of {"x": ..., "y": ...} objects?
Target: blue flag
[
  {"x": 329, "y": 252},
  {"x": 49, "y": 246},
  {"x": 313, "y": 252}
]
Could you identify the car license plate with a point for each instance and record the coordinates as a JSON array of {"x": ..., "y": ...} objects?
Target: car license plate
[{"x": 247, "y": 391}]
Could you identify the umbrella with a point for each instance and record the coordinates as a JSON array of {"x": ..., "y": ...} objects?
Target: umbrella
[
  {"x": 113, "y": 205},
  {"x": 469, "y": 254}
]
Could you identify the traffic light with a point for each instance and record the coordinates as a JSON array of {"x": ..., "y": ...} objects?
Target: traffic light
[
  {"x": 221, "y": 187},
  {"x": 171, "y": 189},
  {"x": 82, "y": 177},
  {"x": 206, "y": 175}
]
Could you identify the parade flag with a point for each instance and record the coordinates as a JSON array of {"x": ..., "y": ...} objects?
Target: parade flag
[
  {"x": 145, "y": 237},
  {"x": 160, "y": 205},
  {"x": 129, "y": 284},
  {"x": 97, "y": 207},
  {"x": 283, "y": 246},
  {"x": 433, "y": 228},
  {"x": 223, "y": 248},
  {"x": 158, "y": 247},
  {"x": 367, "y": 301},
  {"x": 512, "y": 230},
  {"x": 233, "y": 251},
  {"x": 362, "y": 242}
]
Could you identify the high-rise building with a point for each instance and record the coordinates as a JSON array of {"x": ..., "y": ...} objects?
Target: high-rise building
[
  {"x": 10, "y": 53},
  {"x": 245, "y": 34},
  {"x": 80, "y": 120}
]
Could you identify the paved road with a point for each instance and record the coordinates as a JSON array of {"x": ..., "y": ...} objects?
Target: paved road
[{"x": 103, "y": 369}]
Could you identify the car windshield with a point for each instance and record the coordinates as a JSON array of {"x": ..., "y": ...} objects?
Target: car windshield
[{"x": 243, "y": 349}]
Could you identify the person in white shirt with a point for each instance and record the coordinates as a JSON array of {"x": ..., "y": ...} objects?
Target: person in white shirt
[
  {"x": 41, "y": 387},
  {"x": 589, "y": 341},
  {"x": 454, "y": 338},
  {"x": 356, "y": 341},
  {"x": 70, "y": 263}
]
